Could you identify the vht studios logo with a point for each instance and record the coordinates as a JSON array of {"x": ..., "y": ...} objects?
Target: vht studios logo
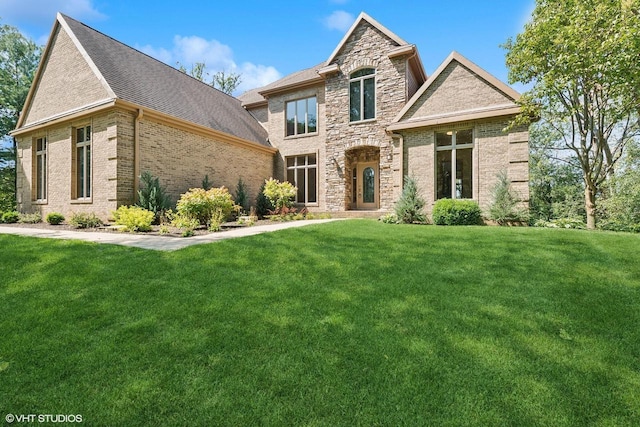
[{"x": 42, "y": 418}]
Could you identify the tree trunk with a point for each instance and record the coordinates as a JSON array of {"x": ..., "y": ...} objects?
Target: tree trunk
[{"x": 590, "y": 206}]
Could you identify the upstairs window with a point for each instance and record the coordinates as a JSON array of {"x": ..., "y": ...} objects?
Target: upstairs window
[
  {"x": 41, "y": 169},
  {"x": 362, "y": 95},
  {"x": 454, "y": 148},
  {"x": 302, "y": 116}
]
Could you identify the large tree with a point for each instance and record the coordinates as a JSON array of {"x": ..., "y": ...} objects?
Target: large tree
[
  {"x": 581, "y": 58},
  {"x": 19, "y": 58}
]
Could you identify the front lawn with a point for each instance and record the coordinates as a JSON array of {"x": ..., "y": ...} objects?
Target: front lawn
[{"x": 347, "y": 323}]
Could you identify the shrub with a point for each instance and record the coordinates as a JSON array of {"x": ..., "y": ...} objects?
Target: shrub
[
  {"x": 456, "y": 212},
  {"x": 33, "y": 218},
  {"x": 242, "y": 198},
  {"x": 134, "y": 218},
  {"x": 85, "y": 220},
  {"x": 280, "y": 194},
  {"x": 263, "y": 204},
  {"x": 206, "y": 184},
  {"x": 54, "y": 218},
  {"x": 152, "y": 196},
  {"x": 409, "y": 208},
  {"x": 11, "y": 217},
  {"x": 206, "y": 206},
  {"x": 577, "y": 223},
  {"x": 389, "y": 218},
  {"x": 504, "y": 207},
  {"x": 185, "y": 223}
]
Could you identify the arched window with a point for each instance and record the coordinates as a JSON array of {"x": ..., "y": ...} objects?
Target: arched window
[{"x": 362, "y": 95}]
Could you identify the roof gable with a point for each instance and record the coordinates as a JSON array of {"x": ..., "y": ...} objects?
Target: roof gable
[
  {"x": 65, "y": 74},
  {"x": 459, "y": 89},
  {"x": 364, "y": 17}
]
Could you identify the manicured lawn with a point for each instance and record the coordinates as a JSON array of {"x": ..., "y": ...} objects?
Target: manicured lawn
[{"x": 347, "y": 323}]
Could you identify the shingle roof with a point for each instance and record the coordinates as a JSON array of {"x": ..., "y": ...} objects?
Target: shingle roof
[
  {"x": 253, "y": 96},
  {"x": 145, "y": 81}
]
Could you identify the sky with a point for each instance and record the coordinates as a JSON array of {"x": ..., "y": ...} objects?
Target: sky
[{"x": 266, "y": 40}]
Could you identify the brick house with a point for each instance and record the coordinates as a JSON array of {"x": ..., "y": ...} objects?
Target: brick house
[{"x": 345, "y": 132}]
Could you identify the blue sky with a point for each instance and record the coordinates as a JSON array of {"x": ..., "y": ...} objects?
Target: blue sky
[{"x": 267, "y": 40}]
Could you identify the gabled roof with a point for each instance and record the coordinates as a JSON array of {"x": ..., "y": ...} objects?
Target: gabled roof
[
  {"x": 509, "y": 108},
  {"x": 136, "y": 78},
  {"x": 311, "y": 76}
]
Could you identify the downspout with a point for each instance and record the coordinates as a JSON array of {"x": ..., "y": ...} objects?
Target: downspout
[
  {"x": 136, "y": 153},
  {"x": 400, "y": 139}
]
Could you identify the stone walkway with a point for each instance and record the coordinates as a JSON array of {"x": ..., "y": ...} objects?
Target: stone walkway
[{"x": 158, "y": 243}]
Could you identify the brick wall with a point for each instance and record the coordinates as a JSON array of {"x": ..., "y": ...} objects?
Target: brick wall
[
  {"x": 66, "y": 82},
  {"x": 181, "y": 159}
]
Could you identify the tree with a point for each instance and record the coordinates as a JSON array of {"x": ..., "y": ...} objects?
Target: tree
[
  {"x": 19, "y": 59},
  {"x": 581, "y": 56},
  {"x": 409, "y": 208},
  {"x": 223, "y": 81}
]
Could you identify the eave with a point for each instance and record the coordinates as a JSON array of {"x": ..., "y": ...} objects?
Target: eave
[
  {"x": 456, "y": 117},
  {"x": 294, "y": 86}
]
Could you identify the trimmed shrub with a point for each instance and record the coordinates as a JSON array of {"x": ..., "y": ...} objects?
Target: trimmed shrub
[
  {"x": 54, "y": 218},
  {"x": 409, "y": 208},
  {"x": 456, "y": 212},
  {"x": 134, "y": 218},
  {"x": 11, "y": 217},
  {"x": 85, "y": 220},
  {"x": 152, "y": 196},
  {"x": 206, "y": 206},
  {"x": 33, "y": 218}
]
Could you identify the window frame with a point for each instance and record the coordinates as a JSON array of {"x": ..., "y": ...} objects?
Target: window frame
[
  {"x": 361, "y": 80},
  {"x": 453, "y": 148},
  {"x": 40, "y": 180},
  {"x": 306, "y": 132},
  {"x": 86, "y": 146},
  {"x": 306, "y": 167}
]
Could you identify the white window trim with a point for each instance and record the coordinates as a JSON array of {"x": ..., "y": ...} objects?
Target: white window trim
[
  {"x": 306, "y": 168},
  {"x": 306, "y": 118},
  {"x": 361, "y": 79},
  {"x": 44, "y": 181},
  {"x": 453, "y": 148}
]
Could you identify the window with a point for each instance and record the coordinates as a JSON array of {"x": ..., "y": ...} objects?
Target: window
[
  {"x": 302, "y": 172},
  {"x": 362, "y": 95},
  {"x": 41, "y": 169},
  {"x": 454, "y": 148},
  {"x": 302, "y": 116},
  {"x": 83, "y": 162}
]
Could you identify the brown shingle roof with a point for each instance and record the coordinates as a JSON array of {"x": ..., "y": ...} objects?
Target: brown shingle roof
[{"x": 145, "y": 81}]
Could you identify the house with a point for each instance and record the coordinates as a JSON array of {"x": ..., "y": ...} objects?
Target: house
[{"x": 345, "y": 131}]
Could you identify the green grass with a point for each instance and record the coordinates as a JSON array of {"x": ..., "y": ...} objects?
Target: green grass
[{"x": 346, "y": 323}]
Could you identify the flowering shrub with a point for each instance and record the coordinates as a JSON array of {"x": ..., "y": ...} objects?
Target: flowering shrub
[
  {"x": 215, "y": 204},
  {"x": 280, "y": 194}
]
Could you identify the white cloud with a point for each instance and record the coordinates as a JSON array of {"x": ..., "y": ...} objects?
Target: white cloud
[
  {"x": 339, "y": 20},
  {"x": 188, "y": 50},
  {"x": 43, "y": 12}
]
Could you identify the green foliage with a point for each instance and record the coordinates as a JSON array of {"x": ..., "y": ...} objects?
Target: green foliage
[
  {"x": 7, "y": 177},
  {"x": 54, "y": 218},
  {"x": 32, "y": 218},
  {"x": 580, "y": 56},
  {"x": 134, "y": 218},
  {"x": 185, "y": 223},
  {"x": 242, "y": 196},
  {"x": 152, "y": 196},
  {"x": 504, "y": 207},
  {"x": 84, "y": 220},
  {"x": 263, "y": 204},
  {"x": 226, "y": 82},
  {"x": 409, "y": 208},
  {"x": 280, "y": 194},
  {"x": 206, "y": 184},
  {"x": 10, "y": 217},
  {"x": 456, "y": 212},
  {"x": 205, "y": 206},
  {"x": 575, "y": 223}
]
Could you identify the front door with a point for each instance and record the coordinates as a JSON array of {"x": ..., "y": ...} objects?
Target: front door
[{"x": 367, "y": 185}]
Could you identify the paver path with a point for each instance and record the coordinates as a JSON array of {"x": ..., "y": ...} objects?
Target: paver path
[{"x": 158, "y": 243}]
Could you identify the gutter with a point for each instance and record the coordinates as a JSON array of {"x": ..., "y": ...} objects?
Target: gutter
[{"x": 136, "y": 152}]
